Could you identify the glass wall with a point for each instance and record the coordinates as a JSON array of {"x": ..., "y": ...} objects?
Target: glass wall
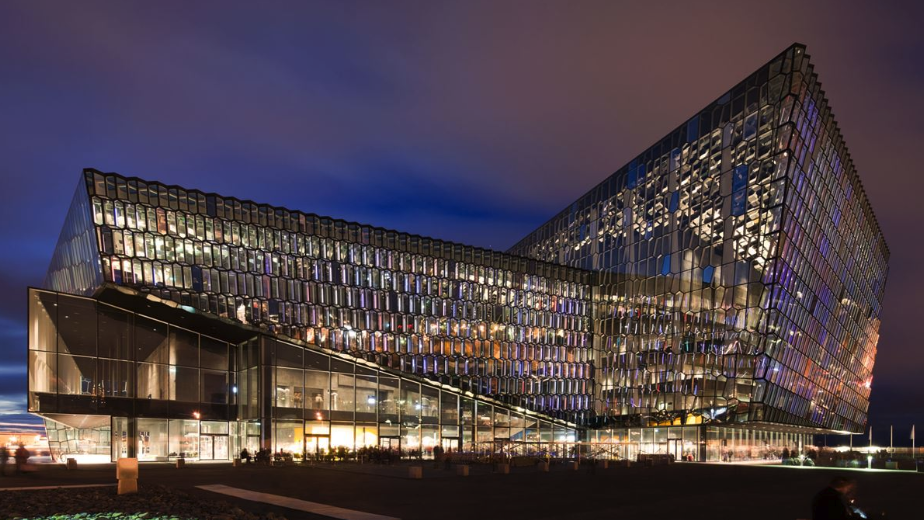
[
  {"x": 352, "y": 404},
  {"x": 74, "y": 267},
  {"x": 698, "y": 443},
  {"x": 86, "y": 439},
  {"x": 88, "y": 357},
  {"x": 162, "y": 440},
  {"x": 320, "y": 403},
  {"x": 478, "y": 320},
  {"x": 349, "y": 404},
  {"x": 153, "y": 440},
  {"x": 741, "y": 269}
]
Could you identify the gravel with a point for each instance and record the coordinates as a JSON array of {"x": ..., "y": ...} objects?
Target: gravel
[{"x": 103, "y": 503}]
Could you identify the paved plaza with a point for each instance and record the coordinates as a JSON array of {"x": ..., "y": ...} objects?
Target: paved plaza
[{"x": 688, "y": 491}]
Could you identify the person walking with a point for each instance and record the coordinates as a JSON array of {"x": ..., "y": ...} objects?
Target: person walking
[
  {"x": 21, "y": 456},
  {"x": 4, "y": 458}
]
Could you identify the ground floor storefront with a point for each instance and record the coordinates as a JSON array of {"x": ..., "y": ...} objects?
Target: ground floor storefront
[
  {"x": 499, "y": 433},
  {"x": 704, "y": 443},
  {"x": 104, "y": 438}
]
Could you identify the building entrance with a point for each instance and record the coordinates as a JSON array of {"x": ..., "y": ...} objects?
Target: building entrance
[
  {"x": 316, "y": 446},
  {"x": 390, "y": 443},
  {"x": 675, "y": 448},
  {"x": 213, "y": 447}
]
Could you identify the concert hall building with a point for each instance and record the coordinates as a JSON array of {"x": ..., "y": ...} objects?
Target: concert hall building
[{"x": 718, "y": 297}]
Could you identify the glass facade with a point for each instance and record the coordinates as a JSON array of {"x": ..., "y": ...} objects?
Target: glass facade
[
  {"x": 74, "y": 268},
  {"x": 741, "y": 270},
  {"x": 694, "y": 443},
  {"x": 502, "y": 326},
  {"x": 85, "y": 435},
  {"x": 175, "y": 393},
  {"x": 723, "y": 287},
  {"x": 86, "y": 356}
]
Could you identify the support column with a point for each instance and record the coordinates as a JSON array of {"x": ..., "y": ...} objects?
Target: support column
[
  {"x": 131, "y": 437},
  {"x": 701, "y": 442},
  {"x": 265, "y": 396}
]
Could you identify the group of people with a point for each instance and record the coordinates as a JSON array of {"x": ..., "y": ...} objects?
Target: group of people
[
  {"x": 378, "y": 454},
  {"x": 261, "y": 456},
  {"x": 20, "y": 457}
]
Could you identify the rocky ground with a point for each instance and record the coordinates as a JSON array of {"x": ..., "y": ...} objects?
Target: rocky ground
[{"x": 152, "y": 502}]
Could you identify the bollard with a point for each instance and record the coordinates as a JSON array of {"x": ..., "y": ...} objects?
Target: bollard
[
  {"x": 415, "y": 472},
  {"x": 544, "y": 467},
  {"x": 71, "y": 463},
  {"x": 236, "y": 463},
  {"x": 503, "y": 468},
  {"x": 573, "y": 465},
  {"x": 127, "y": 475},
  {"x": 605, "y": 464},
  {"x": 462, "y": 470},
  {"x": 180, "y": 463}
]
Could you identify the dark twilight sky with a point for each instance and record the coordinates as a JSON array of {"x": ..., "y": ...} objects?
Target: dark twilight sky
[{"x": 468, "y": 121}]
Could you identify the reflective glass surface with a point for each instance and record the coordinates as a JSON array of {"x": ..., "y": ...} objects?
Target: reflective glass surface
[
  {"x": 729, "y": 276},
  {"x": 741, "y": 269},
  {"x": 498, "y": 325}
]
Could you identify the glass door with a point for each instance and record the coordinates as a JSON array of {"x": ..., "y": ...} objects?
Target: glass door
[
  {"x": 316, "y": 446},
  {"x": 221, "y": 447},
  {"x": 390, "y": 443},
  {"x": 214, "y": 447},
  {"x": 205, "y": 447},
  {"x": 675, "y": 448}
]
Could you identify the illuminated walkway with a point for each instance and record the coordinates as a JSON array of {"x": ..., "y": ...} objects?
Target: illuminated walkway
[{"x": 294, "y": 503}]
